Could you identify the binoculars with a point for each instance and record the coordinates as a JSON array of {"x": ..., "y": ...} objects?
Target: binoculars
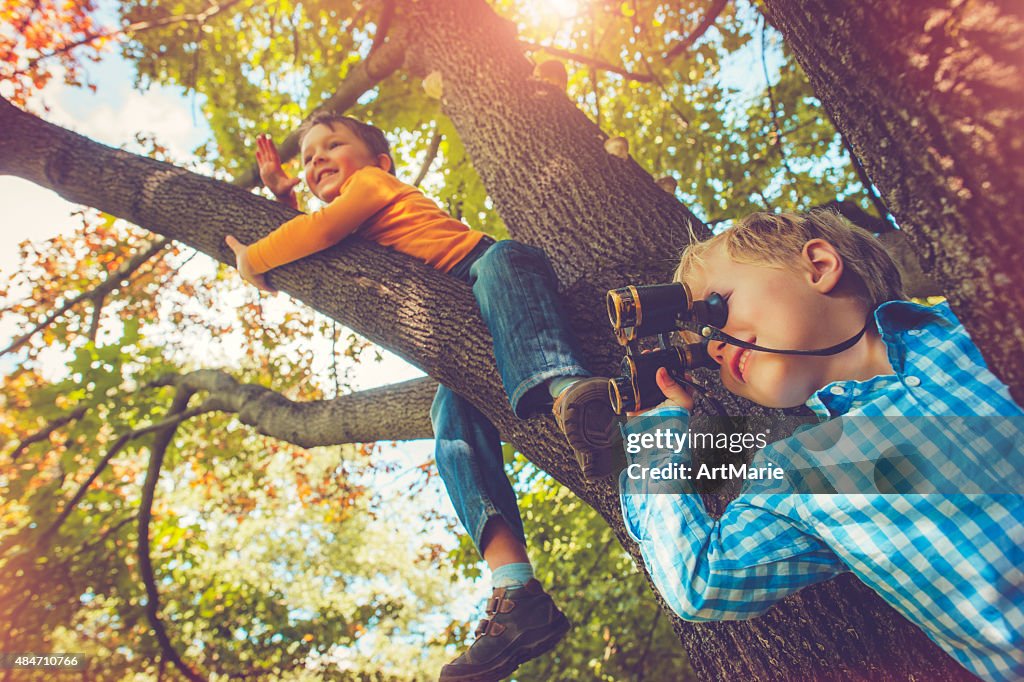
[{"x": 658, "y": 310}]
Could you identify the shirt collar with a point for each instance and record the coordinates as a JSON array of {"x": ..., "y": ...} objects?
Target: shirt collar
[{"x": 893, "y": 319}]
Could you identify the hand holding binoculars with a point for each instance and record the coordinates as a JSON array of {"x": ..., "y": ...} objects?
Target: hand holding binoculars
[{"x": 658, "y": 310}]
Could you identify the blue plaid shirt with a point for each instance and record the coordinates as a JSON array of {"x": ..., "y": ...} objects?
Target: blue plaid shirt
[{"x": 951, "y": 562}]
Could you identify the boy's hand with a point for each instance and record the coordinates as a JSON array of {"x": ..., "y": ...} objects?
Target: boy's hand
[
  {"x": 245, "y": 267},
  {"x": 271, "y": 172},
  {"x": 680, "y": 395},
  {"x": 674, "y": 393}
]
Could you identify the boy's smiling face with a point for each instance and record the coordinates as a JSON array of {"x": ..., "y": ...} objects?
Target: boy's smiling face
[
  {"x": 331, "y": 154},
  {"x": 794, "y": 307}
]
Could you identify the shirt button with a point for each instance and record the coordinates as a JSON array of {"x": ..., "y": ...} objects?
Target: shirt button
[
  {"x": 915, "y": 332},
  {"x": 837, "y": 390},
  {"x": 912, "y": 381}
]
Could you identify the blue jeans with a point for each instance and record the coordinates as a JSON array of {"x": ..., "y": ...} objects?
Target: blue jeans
[{"x": 518, "y": 296}]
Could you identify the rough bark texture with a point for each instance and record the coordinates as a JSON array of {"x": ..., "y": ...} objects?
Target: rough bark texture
[
  {"x": 930, "y": 94},
  {"x": 544, "y": 165},
  {"x": 396, "y": 412},
  {"x": 604, "y": 222}
]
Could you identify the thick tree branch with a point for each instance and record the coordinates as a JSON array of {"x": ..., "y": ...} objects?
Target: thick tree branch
[
  {"x": 387, "y": 13},
  {"x": 111, "y": 284},
  {"x": 928, "y": 96},
  {"x": 869, "y": 188},
  {"x": 707, "y": 22},
  {"x": 383, "y": 62},
  {"x": 396, "y": 412},
  {"x": 163, "y": 438}
]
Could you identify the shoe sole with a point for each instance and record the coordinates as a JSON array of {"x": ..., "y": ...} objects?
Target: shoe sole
[
  {"x": 600, "y": 446},
  {"x": 518, "y": 658}
]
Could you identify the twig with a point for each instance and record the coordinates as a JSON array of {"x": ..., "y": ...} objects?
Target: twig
[
  {"x": 587, "y": 61},
  {"x": 97, "y": 310},
  {"x": 162, "y": 440},
  {"x": 137, "y": 27},
  {"x": 771, "y": 102},
  {"x": 709, "y": 20},
  {"x": 123, "y": 440},
  {"x": 45, "y": 432},
  {"x": 110, "y": 284},
  {"x": 435, "y": 144}
]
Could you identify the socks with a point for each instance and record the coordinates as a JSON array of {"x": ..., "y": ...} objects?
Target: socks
[
  {"x": 559, "y": 384},
  {"x": 512, "y": 576}
]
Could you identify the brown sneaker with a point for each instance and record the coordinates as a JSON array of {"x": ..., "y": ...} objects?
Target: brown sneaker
[{"x": 584, "y": 414}]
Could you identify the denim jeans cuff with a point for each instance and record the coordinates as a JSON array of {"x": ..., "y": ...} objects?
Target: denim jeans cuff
[
  {"x": 492, "y": 512},
  {"x": 524, "y": 408}
]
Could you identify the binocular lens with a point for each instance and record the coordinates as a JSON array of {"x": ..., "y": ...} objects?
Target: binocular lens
[
  {"x": 648, "y": 309},
  {"x": 622, "y": 307},
  {"x": 620, "y": 393}
]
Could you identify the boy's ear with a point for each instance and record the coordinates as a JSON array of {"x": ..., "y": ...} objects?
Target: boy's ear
[
  {"x": 384, "y": 162},
  {"x": 824, "y": 264}
]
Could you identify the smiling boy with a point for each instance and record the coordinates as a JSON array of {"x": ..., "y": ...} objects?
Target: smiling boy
[
  {"x": 348, "y": 165},
  {"x": 893, "y": 409}
]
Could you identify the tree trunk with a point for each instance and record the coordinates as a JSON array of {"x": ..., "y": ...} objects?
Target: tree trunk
[
  {"x": 930, "y": 94},
  {"x": 603, "y": 221},
  {"x": 544, "y": 165}
]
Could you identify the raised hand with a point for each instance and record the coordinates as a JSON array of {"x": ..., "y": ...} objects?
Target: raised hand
[{"x": 271, "y": 172}]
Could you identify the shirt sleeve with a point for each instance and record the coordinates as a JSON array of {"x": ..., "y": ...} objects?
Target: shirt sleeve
[
  {"x": 730, "y": 568},
  {"x": 362, "y": 195}
]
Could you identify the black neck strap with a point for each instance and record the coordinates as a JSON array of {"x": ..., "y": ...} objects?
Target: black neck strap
[{"x": 713, "y": 334}]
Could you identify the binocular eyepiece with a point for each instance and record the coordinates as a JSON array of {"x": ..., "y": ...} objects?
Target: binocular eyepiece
[{"x": 659, "y": 309}]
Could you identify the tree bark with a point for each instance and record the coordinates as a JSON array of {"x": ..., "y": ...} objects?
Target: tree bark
[
  {"x": 396, "y": 412},
  {"x": 930, "y": 94},
  {"x": 603, "y": 221}
]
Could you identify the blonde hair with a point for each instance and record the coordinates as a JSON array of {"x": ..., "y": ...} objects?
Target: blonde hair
[{"x": 779, "y": 238}]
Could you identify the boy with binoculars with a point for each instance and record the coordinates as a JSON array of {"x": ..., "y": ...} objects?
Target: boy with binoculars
[
  {"x": 911, "y": 477},
  {"x": 347, "y": 163}
]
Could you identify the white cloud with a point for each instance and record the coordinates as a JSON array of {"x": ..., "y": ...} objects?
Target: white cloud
[{"x": 116, "y": 112}]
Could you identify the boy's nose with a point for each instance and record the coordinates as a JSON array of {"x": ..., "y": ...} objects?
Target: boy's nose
[{"x": 716, "y": 349}]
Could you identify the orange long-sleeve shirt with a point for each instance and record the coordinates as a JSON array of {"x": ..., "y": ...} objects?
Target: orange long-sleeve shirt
[{"x": 385, "y": 210}]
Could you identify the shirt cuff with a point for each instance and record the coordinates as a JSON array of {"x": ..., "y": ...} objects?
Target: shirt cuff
[{"x": 258, "y": 263}]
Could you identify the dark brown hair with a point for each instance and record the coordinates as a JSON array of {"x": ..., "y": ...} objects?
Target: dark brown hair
[{"x": 372, "y": 136}]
